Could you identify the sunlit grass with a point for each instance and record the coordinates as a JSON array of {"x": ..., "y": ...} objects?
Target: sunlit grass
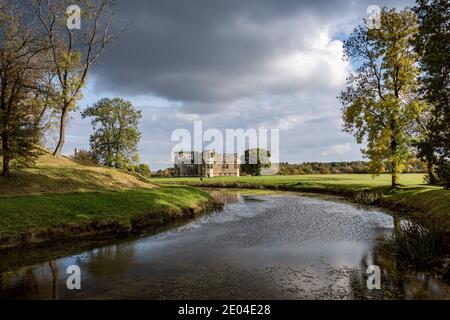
[
  {"x": 333, "y": 179},
  {"x": 64, "y": 195},
  {"x": 62, "y": 175},
  {"x": 35, "y": 213},
  {"x": 413, "y": 197}
]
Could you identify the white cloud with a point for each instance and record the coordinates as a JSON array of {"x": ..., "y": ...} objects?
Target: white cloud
[
  {"x": 252, "y": 65},
  {"x": 337, "y": 149}
]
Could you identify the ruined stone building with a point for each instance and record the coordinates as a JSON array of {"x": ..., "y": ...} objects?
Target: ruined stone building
[{"x": 206, "y": 164}]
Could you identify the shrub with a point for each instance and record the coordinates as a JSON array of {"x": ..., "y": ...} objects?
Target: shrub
[
  {"x": 366, "y": 197},
  {"x": 416, "y": 243},
  {"x": 84, "y": 156},
  {"x": 142, "y": 169},
  {"x": 443, "y": 172}
]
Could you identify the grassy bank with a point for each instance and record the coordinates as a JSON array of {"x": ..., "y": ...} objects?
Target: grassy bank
[
  {"x": 51, "y": 217},
  {"x": 413, "y": 197},
  {"x": 63, "y": 175},
  {"x": 60, "y": 198}
]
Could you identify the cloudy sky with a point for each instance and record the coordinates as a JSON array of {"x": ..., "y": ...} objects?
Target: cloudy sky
[{"x": 274, "y": 64}]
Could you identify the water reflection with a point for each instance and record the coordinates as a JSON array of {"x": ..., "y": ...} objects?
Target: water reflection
[
  {"x": 398, "y": 282},
  {"x": 108, "y": 261},
  {"x": 39, "y": 282},
  {"x": 226, "y": 197},
  {"x": 261, "y": 247}
]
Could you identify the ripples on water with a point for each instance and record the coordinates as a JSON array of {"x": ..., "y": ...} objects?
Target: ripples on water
[{"x": 279, "y": 246}]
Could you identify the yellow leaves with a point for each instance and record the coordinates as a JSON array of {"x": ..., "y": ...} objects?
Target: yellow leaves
[
  {"x": 69, "y": 61},
  {"x": 416, "y": 107}
]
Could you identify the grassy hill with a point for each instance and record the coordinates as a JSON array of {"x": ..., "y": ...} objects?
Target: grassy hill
[
  {"x": 63, "y": 175},
  {"x": 61, "y": 198}
]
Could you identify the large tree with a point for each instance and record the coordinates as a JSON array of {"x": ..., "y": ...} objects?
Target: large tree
[
  {"x": 44, "y": 112},
  {"x": 116, "y": 134},
  {"x": 254, "y": 160},
  {"x": 73, "y": 51},
  {"x": 22, "y": 64},
  {"x": 432, "y": 44},
  {"x": 379, "y": 104}
]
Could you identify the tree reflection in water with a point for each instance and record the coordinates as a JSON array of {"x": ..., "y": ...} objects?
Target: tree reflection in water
[
  {"x": 109, "y": 261},
  {"x": 397, "y": 280},
  {"x": 46, "y": 281},
  {"x": 225, "y": 197},
  {"x": 276, "y": 246}
]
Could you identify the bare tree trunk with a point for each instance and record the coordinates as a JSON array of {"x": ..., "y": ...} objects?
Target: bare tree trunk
[
  {"x": 395, "y": 180},
  {"x": 431, "y": 175},
  {"x": 54, "y": 269},
  {"x": 394, "y": 149},
  {"x": 5, "y": 153},
  {"x": 394, "y": 174},
  {"x": 62, "y": 132}
]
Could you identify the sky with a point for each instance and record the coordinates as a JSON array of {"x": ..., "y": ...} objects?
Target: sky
[{"x": 274, "y": 64}]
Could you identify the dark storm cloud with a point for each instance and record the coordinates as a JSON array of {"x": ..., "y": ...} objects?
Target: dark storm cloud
[
  {"x": 208, "y": 50},
  {"x": 231, "y": 64}
]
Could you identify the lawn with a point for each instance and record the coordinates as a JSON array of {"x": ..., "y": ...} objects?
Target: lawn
[
  {"x": 351, "y": 180},
  {"x": 60, "y": 198},
  {"x": 414, "y": 197},
  {"x": 64, "y": 215}
]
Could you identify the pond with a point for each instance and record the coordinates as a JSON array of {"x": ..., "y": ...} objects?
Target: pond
[{"x": 260, "y": 246}]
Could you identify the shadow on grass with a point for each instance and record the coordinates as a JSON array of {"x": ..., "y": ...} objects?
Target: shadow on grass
[{"x": 61, "y": 180}]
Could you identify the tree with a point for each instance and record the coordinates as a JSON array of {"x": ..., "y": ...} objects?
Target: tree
[
  {"x": 43, "y": 110},
  {"x": 73, "y": 51},
  {"x": 141, "y": 169},
  {"x": 380, "y": 104},
  {"x": 116, "y": 135},
  {"x": 254, "y": 160},
  {"x": 84, "y": 157},
  {"x": 432, "y": 43},
  {"x": 324, "y": 169},
  {"x": 21, "y": 67}
]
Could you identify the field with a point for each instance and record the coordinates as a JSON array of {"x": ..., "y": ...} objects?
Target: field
[
  {"x": 430, "y": 204},
  {"x": 351, "y": 180}
]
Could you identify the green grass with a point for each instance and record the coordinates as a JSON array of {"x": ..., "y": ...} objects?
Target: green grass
[
  {"x": 351, "y": 180},
  {"x": 63, "y": 175},
  {"x": 60, "y": 198},
  {"x": 69, "y": 212},
  {"x": 413, "y": 197},
  {"x": 333, "y": 183}
]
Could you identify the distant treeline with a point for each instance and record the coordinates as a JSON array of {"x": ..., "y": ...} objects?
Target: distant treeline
[
  {"x": 164, "y": 173},
  {"x": 286, "y": 169},
  {"x": 358, "y": 167}
]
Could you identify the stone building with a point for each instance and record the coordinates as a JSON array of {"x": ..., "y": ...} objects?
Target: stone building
[{"x": 206, "y": 164}]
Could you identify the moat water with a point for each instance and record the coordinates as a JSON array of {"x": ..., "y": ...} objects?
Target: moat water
[{"x": 275, "y": 246}]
